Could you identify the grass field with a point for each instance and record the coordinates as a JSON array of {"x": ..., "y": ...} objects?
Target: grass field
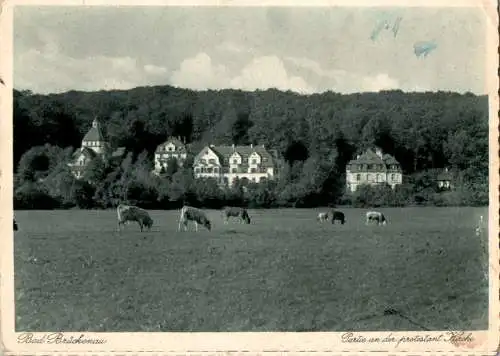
[{"x": 284, "y": 272}]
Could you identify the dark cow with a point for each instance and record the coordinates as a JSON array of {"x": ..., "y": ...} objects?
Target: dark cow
[
  {"x": 188, "y": 213},
  {"x": 128, "y": 213},
  {"x": 338, "y": 216},
  {"x": 15, "y": 225},
  {"x": 376, "y": 216},
  {"x": 240, "y": 213}
]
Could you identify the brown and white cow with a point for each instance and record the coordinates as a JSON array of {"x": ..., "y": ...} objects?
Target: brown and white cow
[
  {"x": 198, "y": 216},
  {"x": 377, "y": 217},
  {"x": 322, "y": 217},
  {"x": 235, "y": 212},
  {"x": 128, "y": 213}
]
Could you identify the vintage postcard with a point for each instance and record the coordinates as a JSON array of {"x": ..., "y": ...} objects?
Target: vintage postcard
[{"x": 258, "y": 178}]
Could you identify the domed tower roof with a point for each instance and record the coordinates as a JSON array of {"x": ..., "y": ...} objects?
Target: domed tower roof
[{"x": 95, "y": 132}]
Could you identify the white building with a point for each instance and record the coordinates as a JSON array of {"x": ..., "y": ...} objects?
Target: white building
[
  {"x": 373, "y": 168},
  {"x": 172, "y": 148},
  {"x": 229, "y": 163},
  {"x": 94, "y": 145}
]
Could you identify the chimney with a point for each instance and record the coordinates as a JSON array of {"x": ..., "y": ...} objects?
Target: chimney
[
  {"x": 357, "y": 156},
  {"x": 233, "y": 146},
  {"x": 378, "y": 151},
  {"x": 251, "y": 145}
]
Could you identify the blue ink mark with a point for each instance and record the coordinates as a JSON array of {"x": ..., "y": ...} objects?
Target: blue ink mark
[
  {"x": 395, "y": 27},
  {"x": 385, "y": 25},
  {"x": 381, "y": 26},
  {"x": 423, "y": 48}
]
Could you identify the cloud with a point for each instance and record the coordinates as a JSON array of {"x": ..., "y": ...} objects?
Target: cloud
[
  {"x": 379, "y": 82},
  {"x": 269, "y": 72},
  {"x": 266, "y": 72},
  {"x": 233, "y": 48},
  {"x": 48, "y": 70},
  {"x": 199, "y": 73},
  {"x": 155, "y": 70},
  {"x": 343, "y": 81}
]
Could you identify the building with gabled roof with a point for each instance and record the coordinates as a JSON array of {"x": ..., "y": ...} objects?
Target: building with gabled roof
[
  {"x": 94, "y": 145},
  {"x": 444, "y": 180},
  {"x": 230, "y": 163},
  {"x": 172, "y": 148},
  {"x": 373, "y": 167}
]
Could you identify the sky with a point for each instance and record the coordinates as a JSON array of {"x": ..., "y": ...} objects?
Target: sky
[{"x": 305, "y": 50}]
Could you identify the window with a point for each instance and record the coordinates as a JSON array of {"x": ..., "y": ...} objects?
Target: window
[
  {"x": 203, "y": 170},
  {"x": 369, "y": 177},
  {"x": 393, "y": 177},
  {"x": 253, "y": 180},
  {"x": 262, "y": 179},
  {"x": 209, "y": 170},
  {"x": 254, "y": 161},
  {"x": 235, "y": 161},
  {"x": 211, "y": 160},
  {"x": 197, "y": 170},
  {"x": 358, "y": 177},
  {"x": 379, "y": 178},
  {"x": 234, "y": 170},
  {"x": 369, "y": 166},
  {"x": 216, "y": 170},
  {"x": 253, "y": 170}
]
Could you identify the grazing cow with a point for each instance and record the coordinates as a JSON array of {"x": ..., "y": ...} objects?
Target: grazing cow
[
  {"x": 188, "y": 213},
  {"x": 131, "y": 213},
  {"x": 241, "y": 213},
  {"x": 15, "y": 225},
  {"x": 338, "y": 216},
  {"x": 322, "y": 217},
  {"x": 376, "y": 216}
]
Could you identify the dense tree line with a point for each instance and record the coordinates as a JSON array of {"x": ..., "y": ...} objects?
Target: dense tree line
[{"x": 316, "y": 135}]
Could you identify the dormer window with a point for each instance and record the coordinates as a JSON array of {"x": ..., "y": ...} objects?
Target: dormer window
[{"x": 235, "y": 161}]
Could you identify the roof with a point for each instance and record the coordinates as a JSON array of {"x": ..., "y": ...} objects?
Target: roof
[
  {"x": 95, "y": 132},
  {"x": 445, "y": 175},
  {"x": 179, "y": 145},
  {"x": 87, "y": 152},
  {"x": 120, "y": 151},
  {"x": 370, "y": 157},
  {"x": 225, "y": 152}
]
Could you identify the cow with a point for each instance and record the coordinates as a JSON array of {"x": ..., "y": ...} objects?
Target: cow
[
  {"x": 15, "y": 225},
  {"x": 338, "y": 216},
  {"x": 131, "y": 213},
  {"x": 189, "y": 213},
  {"x": 322, "y": 217},
  {"x": 240, "y": 213},
  {"x": 376, "y": 216}
]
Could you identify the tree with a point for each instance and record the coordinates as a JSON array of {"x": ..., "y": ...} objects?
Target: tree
[{"x": 172, "y": 167}]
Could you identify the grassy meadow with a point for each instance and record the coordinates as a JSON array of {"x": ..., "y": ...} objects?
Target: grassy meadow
[{"x": 283, "y": 272}]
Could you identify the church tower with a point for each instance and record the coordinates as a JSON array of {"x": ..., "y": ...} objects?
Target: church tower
[{"x": 94, "y": 139}]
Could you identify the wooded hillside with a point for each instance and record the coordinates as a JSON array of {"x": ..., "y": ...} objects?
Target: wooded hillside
[{"x": 317, "y": 135}]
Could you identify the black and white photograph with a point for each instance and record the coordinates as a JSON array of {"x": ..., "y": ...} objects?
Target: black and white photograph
[{"x": 322, "y": 177}]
